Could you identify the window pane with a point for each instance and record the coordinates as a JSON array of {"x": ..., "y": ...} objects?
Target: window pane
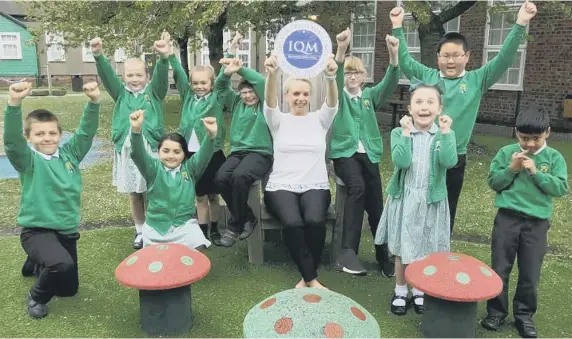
[
  {"x": 453, "y": 25},
  {"x": 513, "y": 74},
  {"x": 8, "y": 37},
  {"x": 245, "y": 60},
  {"x": 496, "y": 21},
  {"x": 10, "y": 50}
]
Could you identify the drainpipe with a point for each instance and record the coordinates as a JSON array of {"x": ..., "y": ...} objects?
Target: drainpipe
[{"x": 516, "y": 110}]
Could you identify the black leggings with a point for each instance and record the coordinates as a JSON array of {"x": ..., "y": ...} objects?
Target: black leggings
[{"x": 304, "y": 218}]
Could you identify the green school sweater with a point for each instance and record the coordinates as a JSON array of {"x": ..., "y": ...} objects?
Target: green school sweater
[
  {"x": 463, "y": 95},
  {"x": 355, "y": 120},
  {"x": 127, "y": 102},
  {"x": 248, "y": 129},
  {"x": 51, "y": 189},
  {"x": 524, "y": 193},
  {"x": 170, "y": 201},
  {"x": 443, "y": 156},
  {"x": 193, "y": 111}
]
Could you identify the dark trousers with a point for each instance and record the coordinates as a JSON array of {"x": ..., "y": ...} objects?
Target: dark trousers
[
  {"x": 304, "y": 218},
  {"x": 516, "y": 235},
  {"x": 56, "y": 256},
  {"x": 234, "y": 179},
  {"x": 455, "y": 178},
  {"x": 363, "y": 182}
]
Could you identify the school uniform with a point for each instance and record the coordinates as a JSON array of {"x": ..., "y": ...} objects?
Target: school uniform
[
  {"x": 356, "y": 148},
  {"x": 49, "y": 213},
  {"x": 462, "y": 98},
  {"x": 171, "y": 211},
  {"x": 525, "y": 206}
]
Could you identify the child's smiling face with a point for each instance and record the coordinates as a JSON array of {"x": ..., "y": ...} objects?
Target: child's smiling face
[
  {"x": 171, "y": 154},
  {"x": 452, "y": 59},
  {"x": 135, "y": 75},
  {"x": 424, "y": 107},
  {"x": 201, "y": 83}
]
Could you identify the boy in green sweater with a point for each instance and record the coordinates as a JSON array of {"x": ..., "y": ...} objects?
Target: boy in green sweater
[
  {"x": 134, "y": 93},
  {"x": 463, "y": 89},
  {"x": 51, "y": 182},
  {"x": 526, "y": 176}
]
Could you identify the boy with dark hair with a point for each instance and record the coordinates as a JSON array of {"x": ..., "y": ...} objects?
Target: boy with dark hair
[
  {"x": 464, "y": 89},
  {"x": 51, "y": 192},
  {"x": 526, "y": 176}
]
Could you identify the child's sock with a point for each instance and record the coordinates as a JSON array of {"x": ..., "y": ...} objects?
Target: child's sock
[
  {"x": 214, "y": 227},
  {"x": 400, "y": 291},
  {"x": 416, "y": 292},
  {"x": 138, "y": 228},
  {"x": 205, "y": 229}
]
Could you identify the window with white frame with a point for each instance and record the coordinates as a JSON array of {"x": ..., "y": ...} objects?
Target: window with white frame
[
  {"x": 119, "y": 55},
  {"x": 55, "y": 47},
  {"x": 363, "y": 38},
  {"x": 86, "y": 54},
  {"x": 499, "y": 25},
  {"x": 244, "y": 49},
  {"x": 10, "y": 46},
  {"x": 205, "y": 60},
  {"x": 412, "y": 35}
]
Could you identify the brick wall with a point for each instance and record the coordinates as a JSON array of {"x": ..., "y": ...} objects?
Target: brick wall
[{"x": 548, "y": 68}]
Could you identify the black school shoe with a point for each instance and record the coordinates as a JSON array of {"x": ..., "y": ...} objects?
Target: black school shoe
[
  {"x": 418, "y": 308},
  {"x": 35, "y": 309},
  {"x": 526, "y": 329},
  {"x": 399, "y": 310},
  {"x": 492, "y": 322}
]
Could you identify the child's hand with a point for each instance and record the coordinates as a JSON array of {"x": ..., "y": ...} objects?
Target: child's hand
[
  {"x": 331, "y": 67},
  {"x": 529, "y": 165},
  {"x": 165, "y": 36},
  {"x": 17, "y": 92},
  {"x": 526, "y": 13},
  {"x": 232, "y": 66},
  {"x": 96, "y": 46},
  {"x": 445, "y": 124},
  {"x": 406, "y": 123},
  {"x": 271, "y": 64},
  {"x": 516, "y": 161},
  {"x": 393, "y": 48},
  {"x": 343, "y": 39},
  {"x": 396, "y": 16},
  {"x": 162, "y": 47},
  {"x": 211, "y": 126},
  {"x": 136, "y": 119},
  {"x": 236, "y": 41},
  {"x": 91, "y": 89}
]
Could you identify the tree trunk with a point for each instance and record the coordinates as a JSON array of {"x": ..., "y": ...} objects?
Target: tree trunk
[
  {"x": 215, "y": 40},
  {"x": 184, "y": 54},
  {"x": 429, "y": 36}
]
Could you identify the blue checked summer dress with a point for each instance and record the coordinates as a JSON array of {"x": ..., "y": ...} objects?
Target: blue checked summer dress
[{"x": 411, "y": 227}]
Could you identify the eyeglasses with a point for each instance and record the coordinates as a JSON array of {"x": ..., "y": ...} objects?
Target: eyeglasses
[
  {"x": 455, "y": 57},
  {"x": 353, "y": 74}
]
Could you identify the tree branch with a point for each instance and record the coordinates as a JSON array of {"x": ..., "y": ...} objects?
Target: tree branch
[{"x": 453, "y": 12}]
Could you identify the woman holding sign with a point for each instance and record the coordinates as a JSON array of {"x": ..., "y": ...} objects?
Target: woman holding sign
[{"x": 298, "y": 191}]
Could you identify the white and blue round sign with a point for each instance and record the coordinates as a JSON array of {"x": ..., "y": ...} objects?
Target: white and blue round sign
[{"x": 303, "y": 49}]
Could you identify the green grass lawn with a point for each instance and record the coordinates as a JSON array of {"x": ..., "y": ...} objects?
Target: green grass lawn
[{"x": 103, "y": 308}]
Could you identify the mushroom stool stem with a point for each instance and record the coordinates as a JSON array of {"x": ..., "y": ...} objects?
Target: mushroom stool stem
[
  {"x": 166, "y": 312},
  {"x": 448, "y": 319}
]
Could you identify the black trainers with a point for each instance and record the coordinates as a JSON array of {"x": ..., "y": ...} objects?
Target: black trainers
[
  {"x": 228, "y": 238},
  {"x": 248, "y": 229},
  {"x": 28, "y": 269},
  {"x": 348, "y": 262},
  {"x": 492, "y": 323},
  {"x": 35, "y": 309}
]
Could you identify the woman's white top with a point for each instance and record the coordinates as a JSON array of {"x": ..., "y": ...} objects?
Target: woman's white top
[{"x": 299, "y": 149}]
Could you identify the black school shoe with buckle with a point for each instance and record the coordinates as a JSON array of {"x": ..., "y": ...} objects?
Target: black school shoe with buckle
[
  {"x": 399, "y": 310},
  {"x": 418, "y": 308}
]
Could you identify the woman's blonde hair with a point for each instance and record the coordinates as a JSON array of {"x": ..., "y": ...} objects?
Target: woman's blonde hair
[
  {"x": 354, "y": 64},
  {"x": 206, "y": 68},
  {"x": 291, "y": 79}
]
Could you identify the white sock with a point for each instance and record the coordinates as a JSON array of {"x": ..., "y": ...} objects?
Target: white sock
[
  {"x": 416, "y": 292},
  {"x": 401, "y": 291},
  {"x": 138, "y": 228}
]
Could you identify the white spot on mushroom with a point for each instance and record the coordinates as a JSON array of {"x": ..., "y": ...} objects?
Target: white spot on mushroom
[
  {"x": 132, "y": 260},
  {"x": 463, "y": 278},
  {"x": 454, "y": 257},
  {"x": 186, "y": 260},
  {"x": 486, "y": 271},
  {"x": 430, "y": 270},
  {"x": 155, "y": 266},
  {"x": 162, "y": 247}
]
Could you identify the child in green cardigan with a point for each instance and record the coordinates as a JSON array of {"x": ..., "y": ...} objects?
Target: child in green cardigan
[
  {"x": 171, "y": 180},
  {"x": 526, "y": 176},
  {"x": 199, "y": 101},
  {"x": 133, "y": 94},
  {"x": 464, "y": 89},
  {"x": 51, "y": 182},
  {"x": 356, "y": 149},
  {"x": 415, "y": 221}
]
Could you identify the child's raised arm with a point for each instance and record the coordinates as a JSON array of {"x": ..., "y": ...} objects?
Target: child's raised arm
[
  {"x": 226, "y": 96},
  {"x": 80, "y": 143},
  {"x": 146, "y": 164},
  {"x": 448, "y": 148},
  {"x": 385, "y": 88},
  {"x": 493, "y": 70},
  {"x": 343, "y": 40},
  {"x": 198, "y": 163},
  {"x": 160, "y": 80},
  {"x": 109, "y": 78},
  {"x": 410, "y": 67},
  {"x": 15, "y": 145},
  {"x": 179, "y": 74},
  {"x": 401, "y": 144}
]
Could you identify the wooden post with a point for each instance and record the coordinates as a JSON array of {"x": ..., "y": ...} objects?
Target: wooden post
[{"x": 256, "y": 239}]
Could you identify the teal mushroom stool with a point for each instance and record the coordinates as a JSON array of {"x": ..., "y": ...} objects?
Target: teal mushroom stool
[
  {"x": 453, "y": 284},
  {"x": 309, "y": 313},
  {"x": 163, "y": 274}
]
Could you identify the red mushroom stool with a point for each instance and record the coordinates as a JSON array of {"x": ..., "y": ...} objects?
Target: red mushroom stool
[
  {"x": 163, "y": 274},
  {"x": 309, "y": 313},
  {"x": 453, "y": 284}
]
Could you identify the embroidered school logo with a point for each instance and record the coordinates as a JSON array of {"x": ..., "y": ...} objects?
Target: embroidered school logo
[
  {"x": 543, "y": 168},
  {"x": 366, "y": 103},
  {"x": 185, "y": 175},
  {"x": 437, "y": 145},
  {"x": 69, "y": 167},
  {"x": 463, "y": 88},
  {"x": 147, "y": 98}
]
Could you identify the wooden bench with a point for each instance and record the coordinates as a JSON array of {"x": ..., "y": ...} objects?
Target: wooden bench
[{"x": 267, "y": 222}]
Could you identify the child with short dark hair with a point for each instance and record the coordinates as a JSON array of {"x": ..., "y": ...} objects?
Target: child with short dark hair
[
  {"x": 526, "y": 176},
  {"x": 51, "y": 182}
]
